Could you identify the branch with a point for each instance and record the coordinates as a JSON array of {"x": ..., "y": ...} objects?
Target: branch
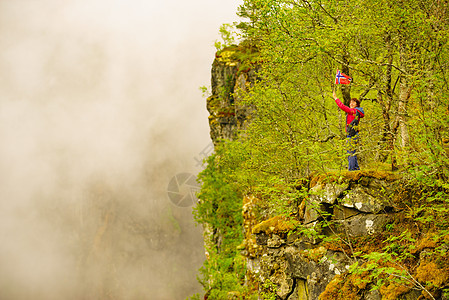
[
  {"x": 414, "y": 281},
  {"x": 382, "y": 64},
  {"x": 330, "y": 137},
  {"x": 361, "y": 97},
  {"x": 327, "y": 13}
]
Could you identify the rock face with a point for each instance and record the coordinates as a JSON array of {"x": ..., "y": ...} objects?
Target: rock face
[
  {"x": 228, "y": 113},
  {"x": 301, "y": 266}
]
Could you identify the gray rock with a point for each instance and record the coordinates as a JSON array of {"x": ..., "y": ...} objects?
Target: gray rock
[
  {"x": 316, "y": 210},
  {"x": 328, "y": 193},
  {"x": 358, "y": 198},
  {"x": 300, "y": 291},
  {"x": 342, "y": 213},
  {"x": 318, "y": 272},
  {"x": 364, "y": 224}
]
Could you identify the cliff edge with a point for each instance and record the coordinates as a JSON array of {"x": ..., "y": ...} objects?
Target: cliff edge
[{"x": 354, "y": 235}]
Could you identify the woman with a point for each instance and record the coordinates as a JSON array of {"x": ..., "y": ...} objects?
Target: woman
[{"x": 353, "y": 114}]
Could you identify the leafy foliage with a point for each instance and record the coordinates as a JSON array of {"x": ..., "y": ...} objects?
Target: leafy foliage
[
  {"x": 228, "y": 35},
  {"x": 219, "y": 210},
  {"x": 397, "y": 53}
]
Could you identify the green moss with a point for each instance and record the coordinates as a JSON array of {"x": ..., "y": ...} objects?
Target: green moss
[
  {"x": 243, "y": 56},
  {"x": 432, "y": 275},
  {"x": 330, "y": 177},
  {"x": 315, "y": 254},
  {"x": 278, "y": 224},
  {"x": 340, "y": 288},
  {"x": 228, "y": 55},
  {"x": 393, "y": 290},
  {"x": 353, "y": 286},
  {"x": 428, "y": 241}
]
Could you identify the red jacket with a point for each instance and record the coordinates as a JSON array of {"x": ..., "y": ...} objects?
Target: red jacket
[{"x": 350, "y": 112}]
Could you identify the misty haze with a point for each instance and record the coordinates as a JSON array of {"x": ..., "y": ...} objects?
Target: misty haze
[{"x": 100, "y": 107}]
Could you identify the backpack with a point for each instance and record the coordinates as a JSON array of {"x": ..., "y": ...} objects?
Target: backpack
[{"x": 351, "y": 128}]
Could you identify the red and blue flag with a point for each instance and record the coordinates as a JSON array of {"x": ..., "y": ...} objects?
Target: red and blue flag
[{"x": 341, "y": 78}]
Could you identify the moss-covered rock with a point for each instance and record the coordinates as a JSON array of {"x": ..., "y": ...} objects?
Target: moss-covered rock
[
  {"x": 228, "y": 115},
  {"x": 361, "y": 212},
  {"x": 275, "y": 225}
]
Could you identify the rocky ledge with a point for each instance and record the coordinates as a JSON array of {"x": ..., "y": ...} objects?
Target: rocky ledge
[{"x": 308, "y": 255}]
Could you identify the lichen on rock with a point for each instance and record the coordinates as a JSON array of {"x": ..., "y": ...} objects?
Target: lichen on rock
[{"x": 356, "y": 208}]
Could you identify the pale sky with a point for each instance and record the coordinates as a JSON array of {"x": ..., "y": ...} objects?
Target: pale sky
[
  {"x": 98, "y": 97},
  {"x": 143, "y": 57}
]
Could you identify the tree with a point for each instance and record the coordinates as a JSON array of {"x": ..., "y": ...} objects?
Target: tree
[{"x": 395, "y": 51}]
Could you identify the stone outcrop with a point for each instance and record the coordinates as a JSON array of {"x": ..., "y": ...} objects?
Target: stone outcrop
[
  {"x": 359, "y": 204},
  {"x": 230, "y": 76},
  {"x": 301, "y": 266}
]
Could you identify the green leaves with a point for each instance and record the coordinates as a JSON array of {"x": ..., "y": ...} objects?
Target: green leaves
[
  {"x": 229, "y": 36},
  {"x": 397, "y": 53},
  {"x": 394, "y": 52},
  {"x": 220, "y": 212}
]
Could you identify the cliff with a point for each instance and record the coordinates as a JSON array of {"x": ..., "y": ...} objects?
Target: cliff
[
  {"x": 355, "y": 209},
  {"x": 344, "y": 238},
  {"x": 231, "y": 76}
]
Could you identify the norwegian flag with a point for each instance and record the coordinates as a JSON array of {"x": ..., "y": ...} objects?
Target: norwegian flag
[{"x": 341, "y": 78}]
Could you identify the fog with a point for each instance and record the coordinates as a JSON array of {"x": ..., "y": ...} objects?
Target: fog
[{"x": 100, "y": 108}]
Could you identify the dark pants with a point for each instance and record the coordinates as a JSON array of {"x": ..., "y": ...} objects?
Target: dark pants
[{"x": 351, "y": 143}]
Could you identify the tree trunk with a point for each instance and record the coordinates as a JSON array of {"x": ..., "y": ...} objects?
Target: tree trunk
[
  {"x": 346, "y": 88},
  {"x": 388, "y": 131},
  {"x": 404, "y": 95}
]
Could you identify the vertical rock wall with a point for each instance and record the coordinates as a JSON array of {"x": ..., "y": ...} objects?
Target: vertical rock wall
[
  {"x": 228, "y": 113},
  {"x": 301, "y": 266}
]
